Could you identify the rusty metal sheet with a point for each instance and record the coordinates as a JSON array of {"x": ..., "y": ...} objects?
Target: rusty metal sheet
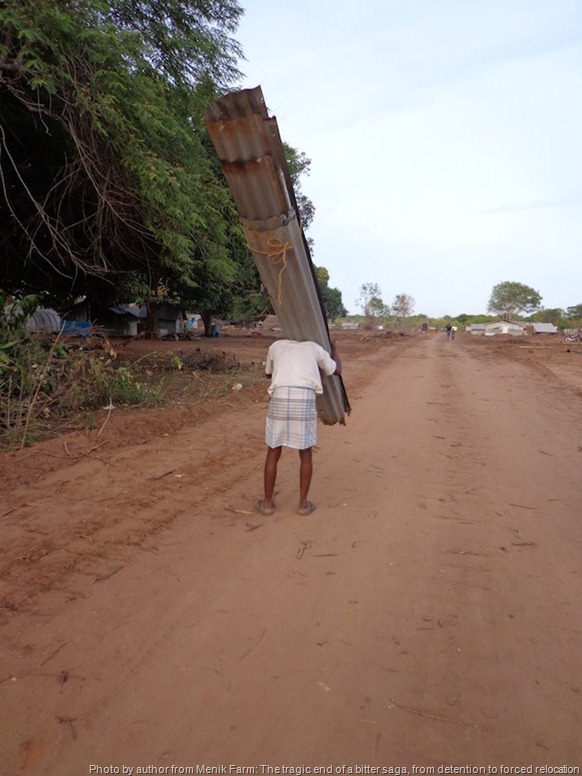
[{"x": 252, "y": 158}]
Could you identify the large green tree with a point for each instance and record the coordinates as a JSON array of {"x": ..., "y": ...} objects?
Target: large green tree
[
  {"x": 509, "y": 299},
  {"x": 103, "y": 167}
]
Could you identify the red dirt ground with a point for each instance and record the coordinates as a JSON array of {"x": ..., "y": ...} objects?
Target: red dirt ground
[{"x": 426, "y": 614}]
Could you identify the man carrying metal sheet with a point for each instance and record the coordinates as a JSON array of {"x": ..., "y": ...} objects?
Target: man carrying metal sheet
[{"x": 292, "y": 416}]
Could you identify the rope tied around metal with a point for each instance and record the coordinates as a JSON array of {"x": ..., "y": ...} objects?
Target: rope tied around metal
[{"x": 277, "y": 254}]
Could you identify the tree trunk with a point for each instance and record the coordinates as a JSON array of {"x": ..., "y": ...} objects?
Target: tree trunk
[
  {"x": 206, "y": 316},
  {"x": 152, "y": 320}
]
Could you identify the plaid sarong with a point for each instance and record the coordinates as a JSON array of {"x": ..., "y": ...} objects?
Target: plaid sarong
[{"x": 292, "y": 418}]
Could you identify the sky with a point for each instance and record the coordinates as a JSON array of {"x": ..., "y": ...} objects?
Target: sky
[{"x": 445, "y": 139}]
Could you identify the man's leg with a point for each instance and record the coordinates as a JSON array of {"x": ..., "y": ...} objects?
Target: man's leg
[
  {"x": 270, "y": 476},
  {"x": 305, "y": 473}
]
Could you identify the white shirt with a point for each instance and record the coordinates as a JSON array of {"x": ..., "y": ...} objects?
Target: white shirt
[{"x": 298, "y": 364}]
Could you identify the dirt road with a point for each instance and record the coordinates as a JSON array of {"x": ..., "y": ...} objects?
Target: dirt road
[{"x": 428, "y": 613}]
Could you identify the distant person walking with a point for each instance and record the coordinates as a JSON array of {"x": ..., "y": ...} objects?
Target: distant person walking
[
  {"x": 449, "y": 331},
  {"x": 294, "y": 368}
]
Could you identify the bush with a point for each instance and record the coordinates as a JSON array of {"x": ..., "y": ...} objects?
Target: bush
[{"x": 43, "y": 378}]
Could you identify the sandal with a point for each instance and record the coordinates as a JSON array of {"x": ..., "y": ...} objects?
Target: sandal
[
  {"x": 263, "y": 509},
  {"x": 307, "y": 509}
]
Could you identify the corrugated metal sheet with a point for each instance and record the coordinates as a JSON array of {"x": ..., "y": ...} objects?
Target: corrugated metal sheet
[
  {"x": 251, "y": 154},
  {"x": 544, "y": 328}
]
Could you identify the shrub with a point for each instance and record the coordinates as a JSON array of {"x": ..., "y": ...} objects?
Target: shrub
[{"x": 43, "y": 378}]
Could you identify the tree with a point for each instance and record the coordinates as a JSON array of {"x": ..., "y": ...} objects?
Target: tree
[
  {"x": 332, "y": 297},
  {"x": 548, "y": 315},
  {"x": 574, "y": 312},
  {"x": 332, "y": 300},
  {"x": 113, "y": 176},
  {"x": 370, "y": 299},
  {"x": 402, "y": 307},
  {"x": 109, "y": 185},
  {"x": 508, "y": 299},
  {"x": 371, "y": 303},
  {"x": 187, "y": 41},
  {"x": 299, "y": 164}
]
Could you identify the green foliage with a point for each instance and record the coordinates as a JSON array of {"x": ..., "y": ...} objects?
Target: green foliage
[
  {"x": 115, "y": 176},
  {"x": 117, "y": 194},
  {"x": 480, "y": 319},
  {"x": 551, "y": 315},
  {"x": 184, "y": 40},
  {"x": 574, "y": 313},
  {"x": 43, "y": 378},
  {"x": 299, "y": 164},
  {"x": 332, "y": 301},
  {"x": 332, "y": 297},
  {"x": 370, "y": 300},
  {"x": 508, "y": 299}
]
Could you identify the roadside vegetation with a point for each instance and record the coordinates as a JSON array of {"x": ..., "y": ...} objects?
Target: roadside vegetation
[
  {"x": 50, "y": 384},
  {"x": 46, "y": 382}
]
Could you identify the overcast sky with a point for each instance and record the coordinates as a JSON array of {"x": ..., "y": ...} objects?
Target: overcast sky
[{"x": 445, "y": 138}]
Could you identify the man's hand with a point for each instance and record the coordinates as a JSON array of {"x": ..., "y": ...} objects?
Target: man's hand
[{"x": 336, "y": 358}]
